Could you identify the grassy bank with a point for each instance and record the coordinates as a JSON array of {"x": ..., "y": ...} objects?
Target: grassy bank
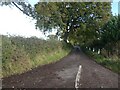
[
  {"x": 22, "y": 54},
  {"x": 112, "y": 63}
]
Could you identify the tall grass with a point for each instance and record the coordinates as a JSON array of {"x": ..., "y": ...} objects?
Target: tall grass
[
  {"x": 21, "y": 54},
  {"x": 110, "y": 63}
]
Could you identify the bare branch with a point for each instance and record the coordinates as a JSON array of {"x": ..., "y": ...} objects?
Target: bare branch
[{"x": 20, "y": 8}]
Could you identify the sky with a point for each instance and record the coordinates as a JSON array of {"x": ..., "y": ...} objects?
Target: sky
[
  {"x": 14, "y": 22},
  {"x": 115, "y": 6}
]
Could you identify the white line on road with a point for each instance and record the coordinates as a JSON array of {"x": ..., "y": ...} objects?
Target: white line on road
[{"x": 77, "y": 81}]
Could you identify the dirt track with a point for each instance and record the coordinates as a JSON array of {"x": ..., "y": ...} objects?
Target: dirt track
[{"x": 62, "y": 74}]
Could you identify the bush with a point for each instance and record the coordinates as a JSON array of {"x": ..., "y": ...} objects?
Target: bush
[
  {"x": 20, "y": 54},
  {"x": 111, "y": 63}
]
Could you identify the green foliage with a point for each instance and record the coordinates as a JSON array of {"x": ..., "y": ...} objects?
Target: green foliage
[
  {"x": 87, "y": 24},
  {"x": 108, "y": 41},
  {"x": 110, "y": 63},
  {"x": 21, "y": 54},
  {"x": 108, "y": 45},
  {"x": 90, "y": 25},
  {"x": 52, "y": 37},
  {"x": 77, "y": 21},
  {"x": 110, "y": 36}
]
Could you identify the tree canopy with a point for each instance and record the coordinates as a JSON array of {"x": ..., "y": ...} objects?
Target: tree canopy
[{"x": 75, "y": 21}]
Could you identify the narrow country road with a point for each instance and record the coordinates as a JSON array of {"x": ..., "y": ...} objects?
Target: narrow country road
[{"x": 62, "y": 74}]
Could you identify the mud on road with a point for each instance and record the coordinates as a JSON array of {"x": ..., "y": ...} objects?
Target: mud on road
[{"x": 62, "y": 74}]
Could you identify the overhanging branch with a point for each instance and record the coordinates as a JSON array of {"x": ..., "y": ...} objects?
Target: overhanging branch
[{"x": 20, "y": 8}]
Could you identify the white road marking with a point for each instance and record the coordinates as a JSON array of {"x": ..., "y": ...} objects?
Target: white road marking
[{"x": 77, "y": 81}]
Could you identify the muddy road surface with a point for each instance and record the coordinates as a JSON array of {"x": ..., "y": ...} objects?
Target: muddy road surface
[{"x": 62, "y": 74}]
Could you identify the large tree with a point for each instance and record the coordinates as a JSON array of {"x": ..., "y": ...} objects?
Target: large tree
[
  {"x": 78, "y": 22},
  {"x": 110, "y": 36}
]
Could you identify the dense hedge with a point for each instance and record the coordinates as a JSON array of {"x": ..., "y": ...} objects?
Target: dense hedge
[{"x": 20, "y": 54}]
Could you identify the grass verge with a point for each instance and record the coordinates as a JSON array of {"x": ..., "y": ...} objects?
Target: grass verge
[
  {"x": 22, "y": 54},
  {"x": 110, "y": 63}
]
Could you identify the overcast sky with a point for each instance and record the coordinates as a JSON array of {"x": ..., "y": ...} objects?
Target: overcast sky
[{"x": 14, "y": 22}]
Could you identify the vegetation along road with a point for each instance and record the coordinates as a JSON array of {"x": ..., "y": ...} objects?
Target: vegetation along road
[
  {"x": 90, "y": 25},
  {"x": 62, "y": 74}
]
